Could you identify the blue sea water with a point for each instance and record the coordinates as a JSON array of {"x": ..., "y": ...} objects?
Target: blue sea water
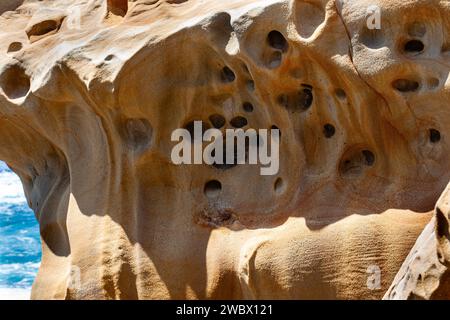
[{"x": 20, "y": 248}]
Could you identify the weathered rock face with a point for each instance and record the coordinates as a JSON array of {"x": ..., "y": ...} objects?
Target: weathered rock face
[{"x": 90, "y": 92}]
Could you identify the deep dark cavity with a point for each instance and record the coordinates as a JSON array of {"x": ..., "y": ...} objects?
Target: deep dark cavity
[
  {"x": 217, "y": 121},
  {"x": 328, "y": 130},
  {"x": 300, "y": 101},
  {"x": 248, "y": 107},
  {"x": 340, "y": 93},
  {"x": 435, "y": 136},
  {"x": 278, "y": 186},
  {"x": 238, "y": 122},
  {"x": 414, "y": 46},
  {"x": 227, "y": 75},
  {"x": 369, "y": 157},
  {"x": 305, "y": 99},
  {"x": 277, "y": 41},
  {"x": 212, "y": 189},
  {"x": 404, "y": 85},
  {"x": 15, "y": 82}
]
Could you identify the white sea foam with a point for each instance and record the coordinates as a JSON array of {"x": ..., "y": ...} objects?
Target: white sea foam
[
  {"x": 15, "y": 294},
  {"x": 11, "y": 190}
]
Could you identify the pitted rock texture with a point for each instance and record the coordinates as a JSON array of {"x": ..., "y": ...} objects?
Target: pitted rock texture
[{"x": 90, "y": 92}]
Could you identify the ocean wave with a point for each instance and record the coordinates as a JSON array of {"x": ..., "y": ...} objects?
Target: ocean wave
[
  {"x": 20, "y": 249},
  {"x": 18, "y": 275}
]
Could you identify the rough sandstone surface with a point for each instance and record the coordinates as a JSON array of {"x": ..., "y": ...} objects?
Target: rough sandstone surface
[{"x": 86, "y": 117}]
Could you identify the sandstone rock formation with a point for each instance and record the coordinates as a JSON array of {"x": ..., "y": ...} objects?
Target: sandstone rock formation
[{"x": 91, "y": 90}]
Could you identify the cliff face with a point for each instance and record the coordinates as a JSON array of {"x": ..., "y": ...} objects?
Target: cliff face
[{"x": 91, "y": 91}]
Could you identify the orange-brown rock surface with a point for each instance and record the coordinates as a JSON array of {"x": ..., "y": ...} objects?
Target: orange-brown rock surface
[{"x": 91, "y": 90}]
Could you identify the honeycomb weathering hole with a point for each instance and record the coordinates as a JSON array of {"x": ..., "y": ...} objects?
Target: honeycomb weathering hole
[
  {"x": 15, "y": 82},
  {"x": 369, "y": 157},
  {"x": 276, "y": 40},
  {"x": 238, "y": 122},
  {"x": 43, "y": 28},
  {"x": 414, "y": 46},
  {"x": 227, "y": 75},
  {"x": 404, "y": 85},
  {"x": 248, "y": 107},
  {"x": 328, "y": 130},
  {"x": 340, "y": 93},
  {"x": 217, "y": 121},
  {"x": 118, "y": 7},
  {"x": 212, "y": 189},
  {"x": 435, "y": 136},
  {"x": 14, "y": 47},
  {"x": 278, "y": 186},
  {"x": 308, "y": 18}
]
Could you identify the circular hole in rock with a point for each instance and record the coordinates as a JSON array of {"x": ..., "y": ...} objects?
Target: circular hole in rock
[
  {"x": 369, "y": 157},
  {"x": 277, "y": 41},
  {"x": 278, "y": 186},
  {"x": 217, "y": 121},
  {"x": 212, "y": 189},
  {"x": 414, "y": 46},
  {"x": 109, "y": 57},
  {"x": 190, "y": 126},
  {"x": 14, "y": 47},
  {"x": 15, "y": 82},
  {"x": 435, "y": 136},
  {"x": 248, "y": 107},
  {"x": 305, "y": 99},
  {"x": 227, "y": 75},
  {"x": 340, "y": 93},
  {"x": 329, "y": 130},
  {"x": 404, "y": 85},
  {"x": 238, "y": 122}
]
